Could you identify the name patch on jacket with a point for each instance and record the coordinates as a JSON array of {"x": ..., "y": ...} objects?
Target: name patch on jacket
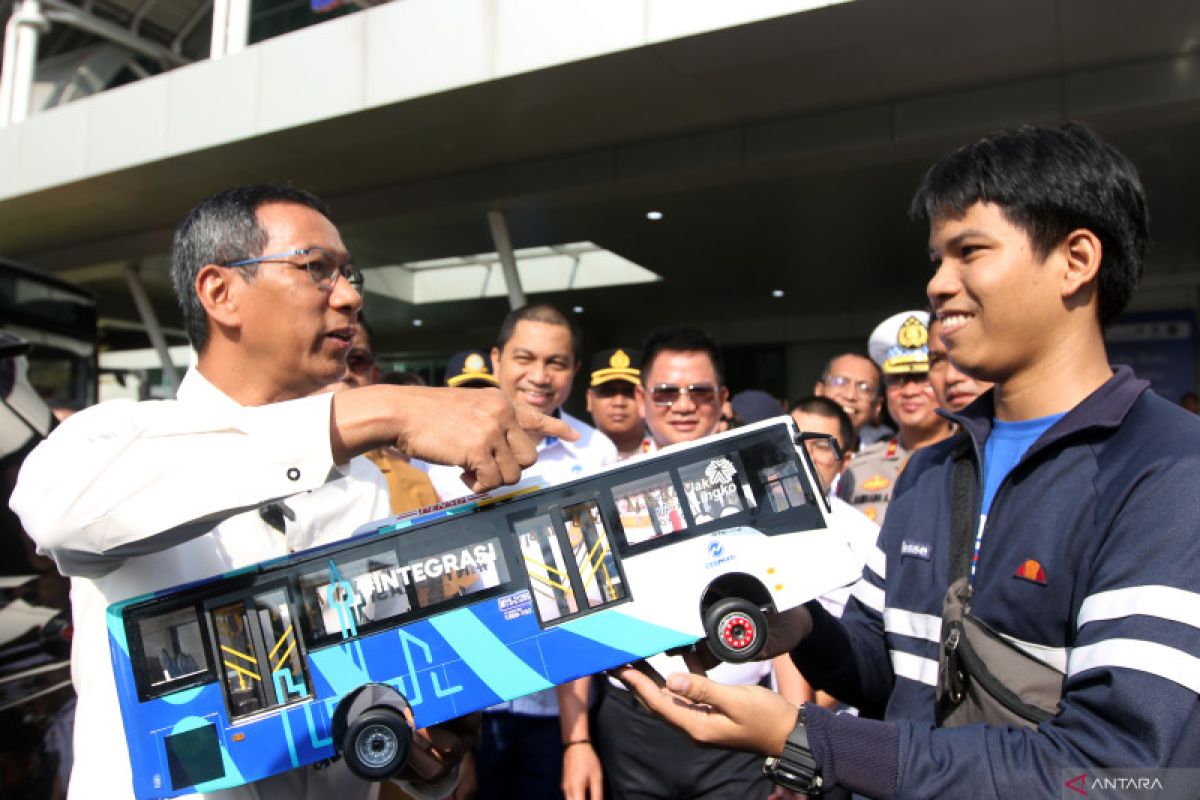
[{"x": 915, "y": 549}]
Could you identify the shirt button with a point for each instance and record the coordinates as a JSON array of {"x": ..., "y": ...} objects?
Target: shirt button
[{"x": 293, "y": 474}]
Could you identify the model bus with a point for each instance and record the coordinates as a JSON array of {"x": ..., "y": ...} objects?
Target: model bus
[{"x": 316, "y": 655}]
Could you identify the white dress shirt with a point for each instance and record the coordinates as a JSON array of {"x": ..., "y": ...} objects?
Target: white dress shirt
[
  {"x": 133, "y": 497},
  {"x": 558, "y": 461}
]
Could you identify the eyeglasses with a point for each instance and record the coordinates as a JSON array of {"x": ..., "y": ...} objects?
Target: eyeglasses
[
  {"x": 864, "y": 388},
  {"x": 667, "y": 394},
  {"x": 322, "y": 267},
  {"x": 823, "y": 450},
  {"x": 610, "y": 389},
  {"x": 359, "y": 361}
]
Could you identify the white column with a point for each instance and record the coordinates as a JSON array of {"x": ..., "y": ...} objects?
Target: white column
[
  {"x": 153, "y": 329},
  {"x": 231, "y": 27},
  {"x": 21, "y": 34},
  {"x": 499, "y": 225}
]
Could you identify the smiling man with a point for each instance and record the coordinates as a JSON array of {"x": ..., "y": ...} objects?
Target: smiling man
[
  {"x": 899, "y": 346},
  {"x": 954, "y": 389},
  {"x": 1054, "y": 537},
  {"x": 130, "y": 498},
  {"x": 852, "y": 381},
  {"x": 525, "y": 741}
]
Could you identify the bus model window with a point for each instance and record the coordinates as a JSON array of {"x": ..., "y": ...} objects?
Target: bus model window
[
  {"x": 549, "y": 581},
  {"x": 712, "y": 488},
  {"x": 244, "y": 686},
  {"x": 775, "y": 475},
  {"x": 340, "y": 596},
  {"x": 457, "y": 572},
  {"x": 279, "y": 639},
  {"x": 171, "y": 647},
  {"x": 593, "y": 554},
  {"x": 648, "y": 508}
]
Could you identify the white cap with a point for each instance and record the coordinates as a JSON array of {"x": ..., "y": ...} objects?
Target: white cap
[{"x": 900, "y": 344}]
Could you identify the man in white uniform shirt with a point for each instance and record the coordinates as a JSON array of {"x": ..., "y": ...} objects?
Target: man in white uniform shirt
[
  {"x": 245, "y": 465},
  {"x": 536, "y": 357}
]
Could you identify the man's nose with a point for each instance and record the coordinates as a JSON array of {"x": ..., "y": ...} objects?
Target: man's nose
[{"x": 344, "y": 295}]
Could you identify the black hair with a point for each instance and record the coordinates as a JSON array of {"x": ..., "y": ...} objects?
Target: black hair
[
  {"x": 824, "y": 407},
  {"x": 878, "y": 372},
  {"x": 223, "y": 228},
  {"x": 541, "y": 312},
  {"x": 1049, "y": 182},
  {"x": 681, "y": 339}
]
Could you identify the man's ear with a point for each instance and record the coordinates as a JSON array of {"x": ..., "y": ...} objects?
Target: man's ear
[
  {"x": 589, "y": 394},
  {"x": 1082, "y": 252},
  {"x": 496, "y": 359},
  {"x": 215, "y": 289}
]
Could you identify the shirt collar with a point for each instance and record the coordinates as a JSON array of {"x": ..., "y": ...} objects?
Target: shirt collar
[
  {"x": 195, "y": 388},
  {"x": 1105, "y": 408}
]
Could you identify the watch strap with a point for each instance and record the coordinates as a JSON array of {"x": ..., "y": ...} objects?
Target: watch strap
[{"x": 796, "y": 768}]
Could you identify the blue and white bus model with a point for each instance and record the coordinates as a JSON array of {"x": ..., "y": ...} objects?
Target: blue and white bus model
[{"x": 315, "y": 655}]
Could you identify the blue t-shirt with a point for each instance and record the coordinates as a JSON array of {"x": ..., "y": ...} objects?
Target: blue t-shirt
[{"x": 1004, "y": 448}]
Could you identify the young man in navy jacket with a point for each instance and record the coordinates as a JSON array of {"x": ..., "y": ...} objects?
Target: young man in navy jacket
[{"x": 1085, "y": 493}]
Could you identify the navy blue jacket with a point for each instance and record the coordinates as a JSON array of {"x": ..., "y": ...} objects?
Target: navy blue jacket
[{"x": 1107, "y": 504}]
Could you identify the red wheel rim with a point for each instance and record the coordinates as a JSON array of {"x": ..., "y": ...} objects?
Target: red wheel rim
[{"x": 738, "y": 631}]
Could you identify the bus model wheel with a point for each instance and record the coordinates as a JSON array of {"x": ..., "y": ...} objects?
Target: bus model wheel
[
  {"x": 377, "y": 744},
  {"x": 736, "y": 628}
]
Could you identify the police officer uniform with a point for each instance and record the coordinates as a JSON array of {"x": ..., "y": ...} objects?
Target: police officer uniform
[{"x": 899, "y": 345}]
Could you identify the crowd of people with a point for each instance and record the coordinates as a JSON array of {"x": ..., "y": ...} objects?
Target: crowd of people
[{"x": 1003, "y": 487}]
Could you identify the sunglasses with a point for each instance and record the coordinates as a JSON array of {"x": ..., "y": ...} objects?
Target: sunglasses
[{"x": 667, "y": 394}]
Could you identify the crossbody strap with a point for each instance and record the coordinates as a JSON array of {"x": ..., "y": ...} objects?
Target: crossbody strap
[{"x": 963, "y": 520}]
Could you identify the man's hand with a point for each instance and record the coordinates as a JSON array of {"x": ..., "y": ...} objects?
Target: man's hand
[
  {"x": 582, "y": 776},
  {"x": 437, "y": 750},
  {"x": 479, "y": 430},
  {"x": 750, "y": 718}
]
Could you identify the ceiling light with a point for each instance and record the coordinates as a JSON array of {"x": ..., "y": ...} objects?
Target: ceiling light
[
  {"x": 654, "y": 215},
  {"x": 418, "y": 323},
  {"x": 777, "y": 293},
  {"x": 578, "y": 309}
]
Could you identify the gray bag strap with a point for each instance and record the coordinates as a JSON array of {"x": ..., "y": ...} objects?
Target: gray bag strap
[{"x": 969, "y": 690}]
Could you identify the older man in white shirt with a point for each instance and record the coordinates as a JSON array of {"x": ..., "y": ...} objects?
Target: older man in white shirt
[{"x": 134, "y": 497}]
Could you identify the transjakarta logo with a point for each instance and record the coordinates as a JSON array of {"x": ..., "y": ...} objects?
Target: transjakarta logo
[{"x": 716, "y": 552}]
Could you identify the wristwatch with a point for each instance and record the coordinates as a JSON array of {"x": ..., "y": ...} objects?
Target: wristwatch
[{"x": 795, "y": 768}]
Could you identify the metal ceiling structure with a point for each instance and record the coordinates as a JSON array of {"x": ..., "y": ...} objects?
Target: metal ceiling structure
[{"x": 782, "y": 155}]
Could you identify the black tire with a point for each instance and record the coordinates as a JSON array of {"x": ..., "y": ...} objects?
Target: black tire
[
  {"x": 377, "y": 744},
  {"x": 736, "y": 628}
]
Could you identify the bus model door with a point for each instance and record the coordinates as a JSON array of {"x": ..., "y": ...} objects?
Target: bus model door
[
  {"x": 570, "y": 559},
  {"x": 257, "y": 641}
]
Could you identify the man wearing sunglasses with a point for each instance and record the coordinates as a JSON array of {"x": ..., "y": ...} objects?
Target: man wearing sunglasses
[
  {"x": 130, "y": 498},
  {"x": 682, "y": 390}
]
